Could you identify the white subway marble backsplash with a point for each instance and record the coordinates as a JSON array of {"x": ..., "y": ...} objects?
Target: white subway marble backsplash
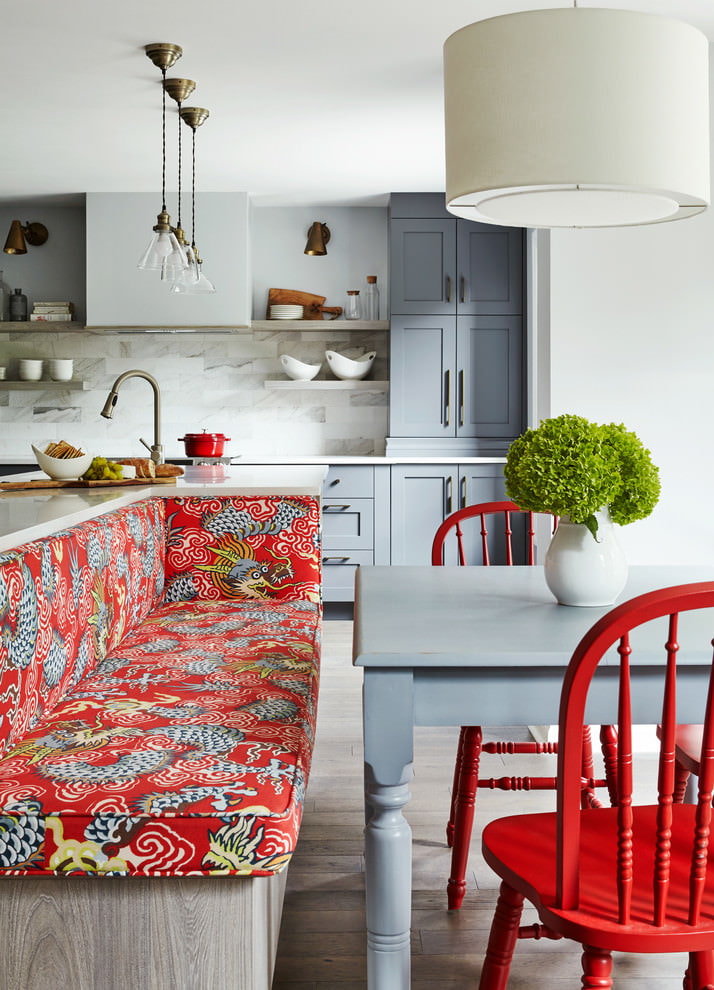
[{"x": 208, "y": 381}]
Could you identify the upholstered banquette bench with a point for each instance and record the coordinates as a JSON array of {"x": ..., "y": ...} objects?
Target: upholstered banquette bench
[{"x": 158, "y": 695}]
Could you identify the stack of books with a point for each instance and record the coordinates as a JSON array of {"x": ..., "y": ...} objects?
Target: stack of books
[{"x": 52, "y": 311}]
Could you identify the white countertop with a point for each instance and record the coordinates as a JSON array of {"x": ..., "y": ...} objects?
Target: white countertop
[
  {"x": 282, "y": 459},
  {"x": 29, "y": 514}
]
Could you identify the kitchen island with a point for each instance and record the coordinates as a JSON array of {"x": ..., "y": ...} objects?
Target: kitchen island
[
  {"x": 165, "y": 637},
  {"x": 29, "y": 514}
]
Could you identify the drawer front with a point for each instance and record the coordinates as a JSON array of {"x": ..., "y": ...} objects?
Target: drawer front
[
  {"x": 352, "y": 480},
  {"x": 338, "y": 574},
  {"x": 348, "y": 524}
]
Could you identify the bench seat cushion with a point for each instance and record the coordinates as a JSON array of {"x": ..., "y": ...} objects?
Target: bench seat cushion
[{"x": 186, "y": 751}]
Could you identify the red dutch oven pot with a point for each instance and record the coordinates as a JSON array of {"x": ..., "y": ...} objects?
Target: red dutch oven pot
[{"x": 204, "y": 444}]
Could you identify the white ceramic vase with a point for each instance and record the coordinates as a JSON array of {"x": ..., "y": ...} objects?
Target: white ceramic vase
[{"x": 580, "y": 570}]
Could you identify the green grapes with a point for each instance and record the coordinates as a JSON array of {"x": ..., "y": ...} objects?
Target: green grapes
[{"x": 103, "y": 470}]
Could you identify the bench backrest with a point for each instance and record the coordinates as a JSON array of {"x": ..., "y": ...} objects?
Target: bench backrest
[
  {"x": 68, "y": 599},
  {"x": 243, "y": 548}
]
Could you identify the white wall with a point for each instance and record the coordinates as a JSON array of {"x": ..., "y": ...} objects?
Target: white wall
[
  {"x": 54, "y": 270},
  {"x": 119, "y": 226},
  {"x": 358, "y": 247},
  {"x": 632, "y": 341}
]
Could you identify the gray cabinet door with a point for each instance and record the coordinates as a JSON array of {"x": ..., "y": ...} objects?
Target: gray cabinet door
[
  {"x": 422, "y": 496},
  {"x": 422, "y": 376},
  {"x": 422, "y": 274},
  {"x": 489, "y": 376},
  {"x": 490, "y": 269}
]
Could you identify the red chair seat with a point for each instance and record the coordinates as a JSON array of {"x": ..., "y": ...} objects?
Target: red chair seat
[{"x": 522, "y": 850}]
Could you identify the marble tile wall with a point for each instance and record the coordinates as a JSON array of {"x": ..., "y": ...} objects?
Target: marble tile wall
[{"x": 208, "y": 381}]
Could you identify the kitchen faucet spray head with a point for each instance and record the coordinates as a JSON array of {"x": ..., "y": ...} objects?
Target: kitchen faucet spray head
[{"x": 108, "y": 410}]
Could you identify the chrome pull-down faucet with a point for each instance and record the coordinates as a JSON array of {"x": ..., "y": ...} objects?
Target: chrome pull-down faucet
[{"x": 156, "y": 449}]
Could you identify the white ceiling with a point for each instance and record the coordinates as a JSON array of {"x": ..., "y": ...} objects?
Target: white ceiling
[{"x": 317, "y": 102}]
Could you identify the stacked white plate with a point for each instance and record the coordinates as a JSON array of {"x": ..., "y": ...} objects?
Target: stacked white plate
[{"x": 286, "y": 312}]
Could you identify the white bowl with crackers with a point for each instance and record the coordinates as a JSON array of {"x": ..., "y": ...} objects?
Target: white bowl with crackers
[{"x": 62, "y": 461}]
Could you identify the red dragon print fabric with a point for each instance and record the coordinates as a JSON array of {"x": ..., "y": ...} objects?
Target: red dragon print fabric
[
  {"x": 185, "y": 752},
  {"x": 67, "y": 600},
  {"x": 242, "y": 548},
  {"x": 150, "y": 736}
]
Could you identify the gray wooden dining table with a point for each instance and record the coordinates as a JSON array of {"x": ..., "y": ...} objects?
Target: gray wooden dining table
[{"x": 473, "y": 645}]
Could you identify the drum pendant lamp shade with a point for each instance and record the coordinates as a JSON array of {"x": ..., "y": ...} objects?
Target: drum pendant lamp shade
[{"x": 577, "y": 117}]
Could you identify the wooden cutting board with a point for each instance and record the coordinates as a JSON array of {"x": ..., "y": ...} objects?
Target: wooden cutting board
[
  {"x": 313, "y": 306},
  {"x": 51, "y": 483}
]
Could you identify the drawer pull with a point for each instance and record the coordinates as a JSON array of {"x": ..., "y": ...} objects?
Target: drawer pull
[
  {"x": 330, "y": 560},
  {"x": 339, "y": 508},
  {"x": 336, "y": 481}
]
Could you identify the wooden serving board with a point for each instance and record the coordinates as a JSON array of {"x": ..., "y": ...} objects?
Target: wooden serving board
[{"x": 51, "y": 483}]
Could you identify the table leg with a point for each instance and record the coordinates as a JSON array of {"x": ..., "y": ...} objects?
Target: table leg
[{"x": 388, "y": 744}]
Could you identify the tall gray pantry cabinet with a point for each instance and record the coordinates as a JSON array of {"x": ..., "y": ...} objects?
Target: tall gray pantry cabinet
[
  {"x": 456, "y": 336},
  {"x": 457, "y": 364}
]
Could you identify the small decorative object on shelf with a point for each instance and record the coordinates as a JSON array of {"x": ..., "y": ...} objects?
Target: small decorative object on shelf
[
  {"x": 18, "y": 306},
  {"x": 371, "y": 299},
  {"x": 353, "y": 309},
  {"x": 52, "y": 312},
  {"x": 590, "y": 476}
]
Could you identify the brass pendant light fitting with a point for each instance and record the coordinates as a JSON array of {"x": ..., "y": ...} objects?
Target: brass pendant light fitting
[
  {"x": 193, "y": 117},
  {"x": 179, "y": 90},
  {"x": 163, "y": 54},
  {"x": 164, "y": 251}
]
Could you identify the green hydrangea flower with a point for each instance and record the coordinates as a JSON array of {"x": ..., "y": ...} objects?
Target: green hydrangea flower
[{"x": 571, "y": 467}]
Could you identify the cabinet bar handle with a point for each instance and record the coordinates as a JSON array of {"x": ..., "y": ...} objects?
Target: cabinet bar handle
[
  {"x": 461, "y": 397},
  {"x": 340, "y": 508},
  {"x": 329, "y": 560},
  {"x": 447, "y": 397},
  {"x": 448, "y": 288},
  {"x": 463, "y": 289},
  {"x": 463, "y": 492},
  {"x": 449, "y": 495}
]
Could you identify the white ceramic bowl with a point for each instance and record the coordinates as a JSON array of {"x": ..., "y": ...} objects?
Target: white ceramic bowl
[
  {"x": 349, "y": 368},
  {"x": 62, "y": 468},
  {"x": 29, "y": 370},
  {"x": 298, "y": 370}
]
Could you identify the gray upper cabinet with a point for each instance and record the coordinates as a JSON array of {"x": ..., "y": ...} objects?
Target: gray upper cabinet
[
  {"x": 456, "y": 342},
  {"x": 439, "y": 264},
  {"x": 456, "y": 376},
  {"x": 422, "y": 266}
]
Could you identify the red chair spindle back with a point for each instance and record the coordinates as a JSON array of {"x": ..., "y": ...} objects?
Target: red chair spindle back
[
  {"x": 503, "y": 509},
  {"x": 613, "y": 630}
]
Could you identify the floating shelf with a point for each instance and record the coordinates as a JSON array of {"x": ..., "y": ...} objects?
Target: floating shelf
[
  {"x": 328, "y": 325},
  {"x": 41, "y": 326},
  {"x": 363, "y": 386},
  {"x": 16, "y": 386},
  {"x": 58, "y": 326}
]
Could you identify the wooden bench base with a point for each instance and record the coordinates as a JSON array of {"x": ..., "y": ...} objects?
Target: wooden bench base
[{"x": 188, "y": 933}]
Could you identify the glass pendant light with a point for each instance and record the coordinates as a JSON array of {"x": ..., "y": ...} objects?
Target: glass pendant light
[
  {"x": 164, "y": 252},
  {"x": 192, "y": 280}
]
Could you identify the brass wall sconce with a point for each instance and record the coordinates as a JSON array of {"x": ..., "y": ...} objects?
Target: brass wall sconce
[
  {"x": 19, "y": 236},
  {"x": 317, "y": 237}
]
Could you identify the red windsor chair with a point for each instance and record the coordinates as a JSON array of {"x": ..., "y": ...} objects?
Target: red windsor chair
[
  {"x": 497, "y": 542},
  {"x": 631, "y": 878}
]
